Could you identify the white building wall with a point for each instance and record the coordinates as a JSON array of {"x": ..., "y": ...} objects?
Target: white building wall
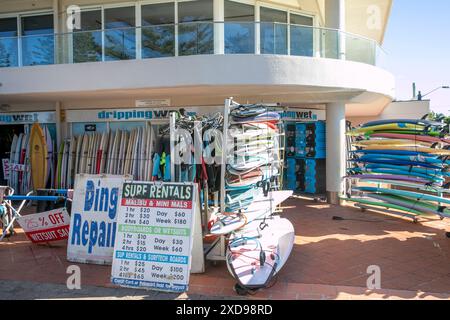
[{"x": 398, "y": 110}]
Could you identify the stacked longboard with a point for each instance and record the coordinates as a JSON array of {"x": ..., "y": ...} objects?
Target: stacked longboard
[
  {"x": 253, "y": 165},
  {"x": 117, "y": 152},
  {"x": 410, "y": 157},
  {"x": 31, "y": 160}
]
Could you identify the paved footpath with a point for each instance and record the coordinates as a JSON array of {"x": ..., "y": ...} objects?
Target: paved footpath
[{"x": 25, "y": 290}]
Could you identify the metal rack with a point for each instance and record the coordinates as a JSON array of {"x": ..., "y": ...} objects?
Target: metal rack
[{"x": 217, "y": 251}]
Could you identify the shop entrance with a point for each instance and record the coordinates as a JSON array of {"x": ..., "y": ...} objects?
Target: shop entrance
[{"x": 7, "y": 133}]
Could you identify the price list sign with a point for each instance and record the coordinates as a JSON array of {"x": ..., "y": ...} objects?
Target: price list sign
[{"x": 154, "y": 236}]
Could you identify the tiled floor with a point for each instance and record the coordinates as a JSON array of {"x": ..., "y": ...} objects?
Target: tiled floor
[{"x": 329, "y": 260}]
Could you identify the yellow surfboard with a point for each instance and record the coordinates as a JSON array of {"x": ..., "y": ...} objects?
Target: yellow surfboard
[
  {"x": 392, "y": 143},
  {"x": 440, "y": 152},
  {"x": 390, "y": 126},
  {"x": 38, "y": 157}
]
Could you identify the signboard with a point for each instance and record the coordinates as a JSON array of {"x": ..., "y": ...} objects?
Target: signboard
[
  {"x": 93, "y": 221},
  {"x": 154, "y": 237},
  {"x": 46, "y": 226},
  {"x": 152, "y": 103},
  {"x": 27, "y": 117},
  {"x": 303, "y": 115},
  {"x": 134, "y": 114},
  {"x": 5, "y": 165}
]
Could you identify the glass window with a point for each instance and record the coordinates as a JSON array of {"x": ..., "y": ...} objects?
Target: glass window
[
  {"x": 8, "y": 42},
  {"x": 38, "y": 43},
  {"x": 196, "y": 29},
  {"x": 273, "y": 31},
  {"x": 158, "y": 30},
  {"x": 301, "y": 35},
  {"x": 239, "y": 27},
  {"x": 87, "y": 42},
  {"x": 120, "y": 33}
]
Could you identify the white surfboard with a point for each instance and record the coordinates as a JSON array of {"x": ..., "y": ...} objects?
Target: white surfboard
[
  {"x": 261, "y": 207},
  {"x": 257, "y": 254}
]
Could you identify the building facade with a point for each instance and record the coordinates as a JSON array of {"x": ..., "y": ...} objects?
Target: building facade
[{"x": 72, "y": 62}]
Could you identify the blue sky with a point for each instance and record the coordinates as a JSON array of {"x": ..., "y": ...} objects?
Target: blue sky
[{"x": 417, "y": 43}]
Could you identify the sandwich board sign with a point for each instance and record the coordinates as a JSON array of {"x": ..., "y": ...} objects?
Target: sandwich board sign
[
  {"x": 46, "y": 226},
  {"x": 155, "y": 236},
  {"x": 93, "y": 221}
]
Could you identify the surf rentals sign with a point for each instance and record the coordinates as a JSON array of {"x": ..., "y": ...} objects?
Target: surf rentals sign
[
  {"x": 155, "y": 236},
  {"x": 46, "y": 226},
  {"x": 93, "y": 222}
]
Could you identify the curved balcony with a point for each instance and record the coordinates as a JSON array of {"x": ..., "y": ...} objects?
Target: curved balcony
[{"x": 186, "y": 39}]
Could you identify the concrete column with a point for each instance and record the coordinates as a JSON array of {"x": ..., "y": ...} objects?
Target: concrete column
[
  {"x": 219, "y": 27},
  {"x": 336, "y": 144},
  {"x": 335, "y": 19},
  {"x": 58, "y": 123},
  {"x": 56, "y": 28}
]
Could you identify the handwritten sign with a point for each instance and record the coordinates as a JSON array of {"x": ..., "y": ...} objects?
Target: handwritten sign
[{"x": 46, "y": 226}]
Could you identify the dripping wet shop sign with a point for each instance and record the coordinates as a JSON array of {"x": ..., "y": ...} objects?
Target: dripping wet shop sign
[{"x": 93, "y": 223}]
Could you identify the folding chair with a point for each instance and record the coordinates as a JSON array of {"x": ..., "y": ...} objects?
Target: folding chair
[{"x": 7, "y": 212}]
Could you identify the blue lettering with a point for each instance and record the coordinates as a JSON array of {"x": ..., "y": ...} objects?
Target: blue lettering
[
  {"x": 84, "y": 238},
  {"x": 76, "y": 229},
  {"x": 89, "y": 197},
  {"x": 93, "y": 236},
  {"x": 113, "y": 203},
  {"x": 102, "y": 115}
]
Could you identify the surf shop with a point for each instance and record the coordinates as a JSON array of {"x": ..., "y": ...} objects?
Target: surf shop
[{"x": 15, "y": 133}]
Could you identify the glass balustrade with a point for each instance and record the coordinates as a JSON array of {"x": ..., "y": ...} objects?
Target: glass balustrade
[{"x": 185, "y": 39}]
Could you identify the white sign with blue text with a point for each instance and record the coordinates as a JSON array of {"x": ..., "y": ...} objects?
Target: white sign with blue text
[
  {"x": 155, "y": 228},
  {"x": 93, "y": 221}
]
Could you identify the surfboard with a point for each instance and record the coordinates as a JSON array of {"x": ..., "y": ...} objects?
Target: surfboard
[
  {"x": 23, "y": 151},
  {"x": 412, "y": 179},
  {"x": 432, "y": 173},
  {"x": 84, "y": 153},
  {"x": 417, "y": 186},
  {"x": 395, "y": 162},
  {"x": 12, "y": 156},
  {"x": 389, "y": 126},
  {"x": 405, "y": 172},
  {"x": 401, "y": 121},
  {"x": 418, "y": 158},
  {"x": 412, "y": 148},
  {"x": 411, "y": 137},
  {"x": 404, "y": 193},
  {"x": 17, "y": 156},
  {"x": 422, "y": 206},
  {"x": 38, "y": 157},
  {"x": 256, "y": 255},
  {"x": 382, "y": 204},
  {"x": 392, "y": 142},
  {"x": 263, "y": 117},
  {"x": 261, "y": 207}
]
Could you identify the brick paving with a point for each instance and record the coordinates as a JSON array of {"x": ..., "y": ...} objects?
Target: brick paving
[{"x": 329, "y": 260}]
